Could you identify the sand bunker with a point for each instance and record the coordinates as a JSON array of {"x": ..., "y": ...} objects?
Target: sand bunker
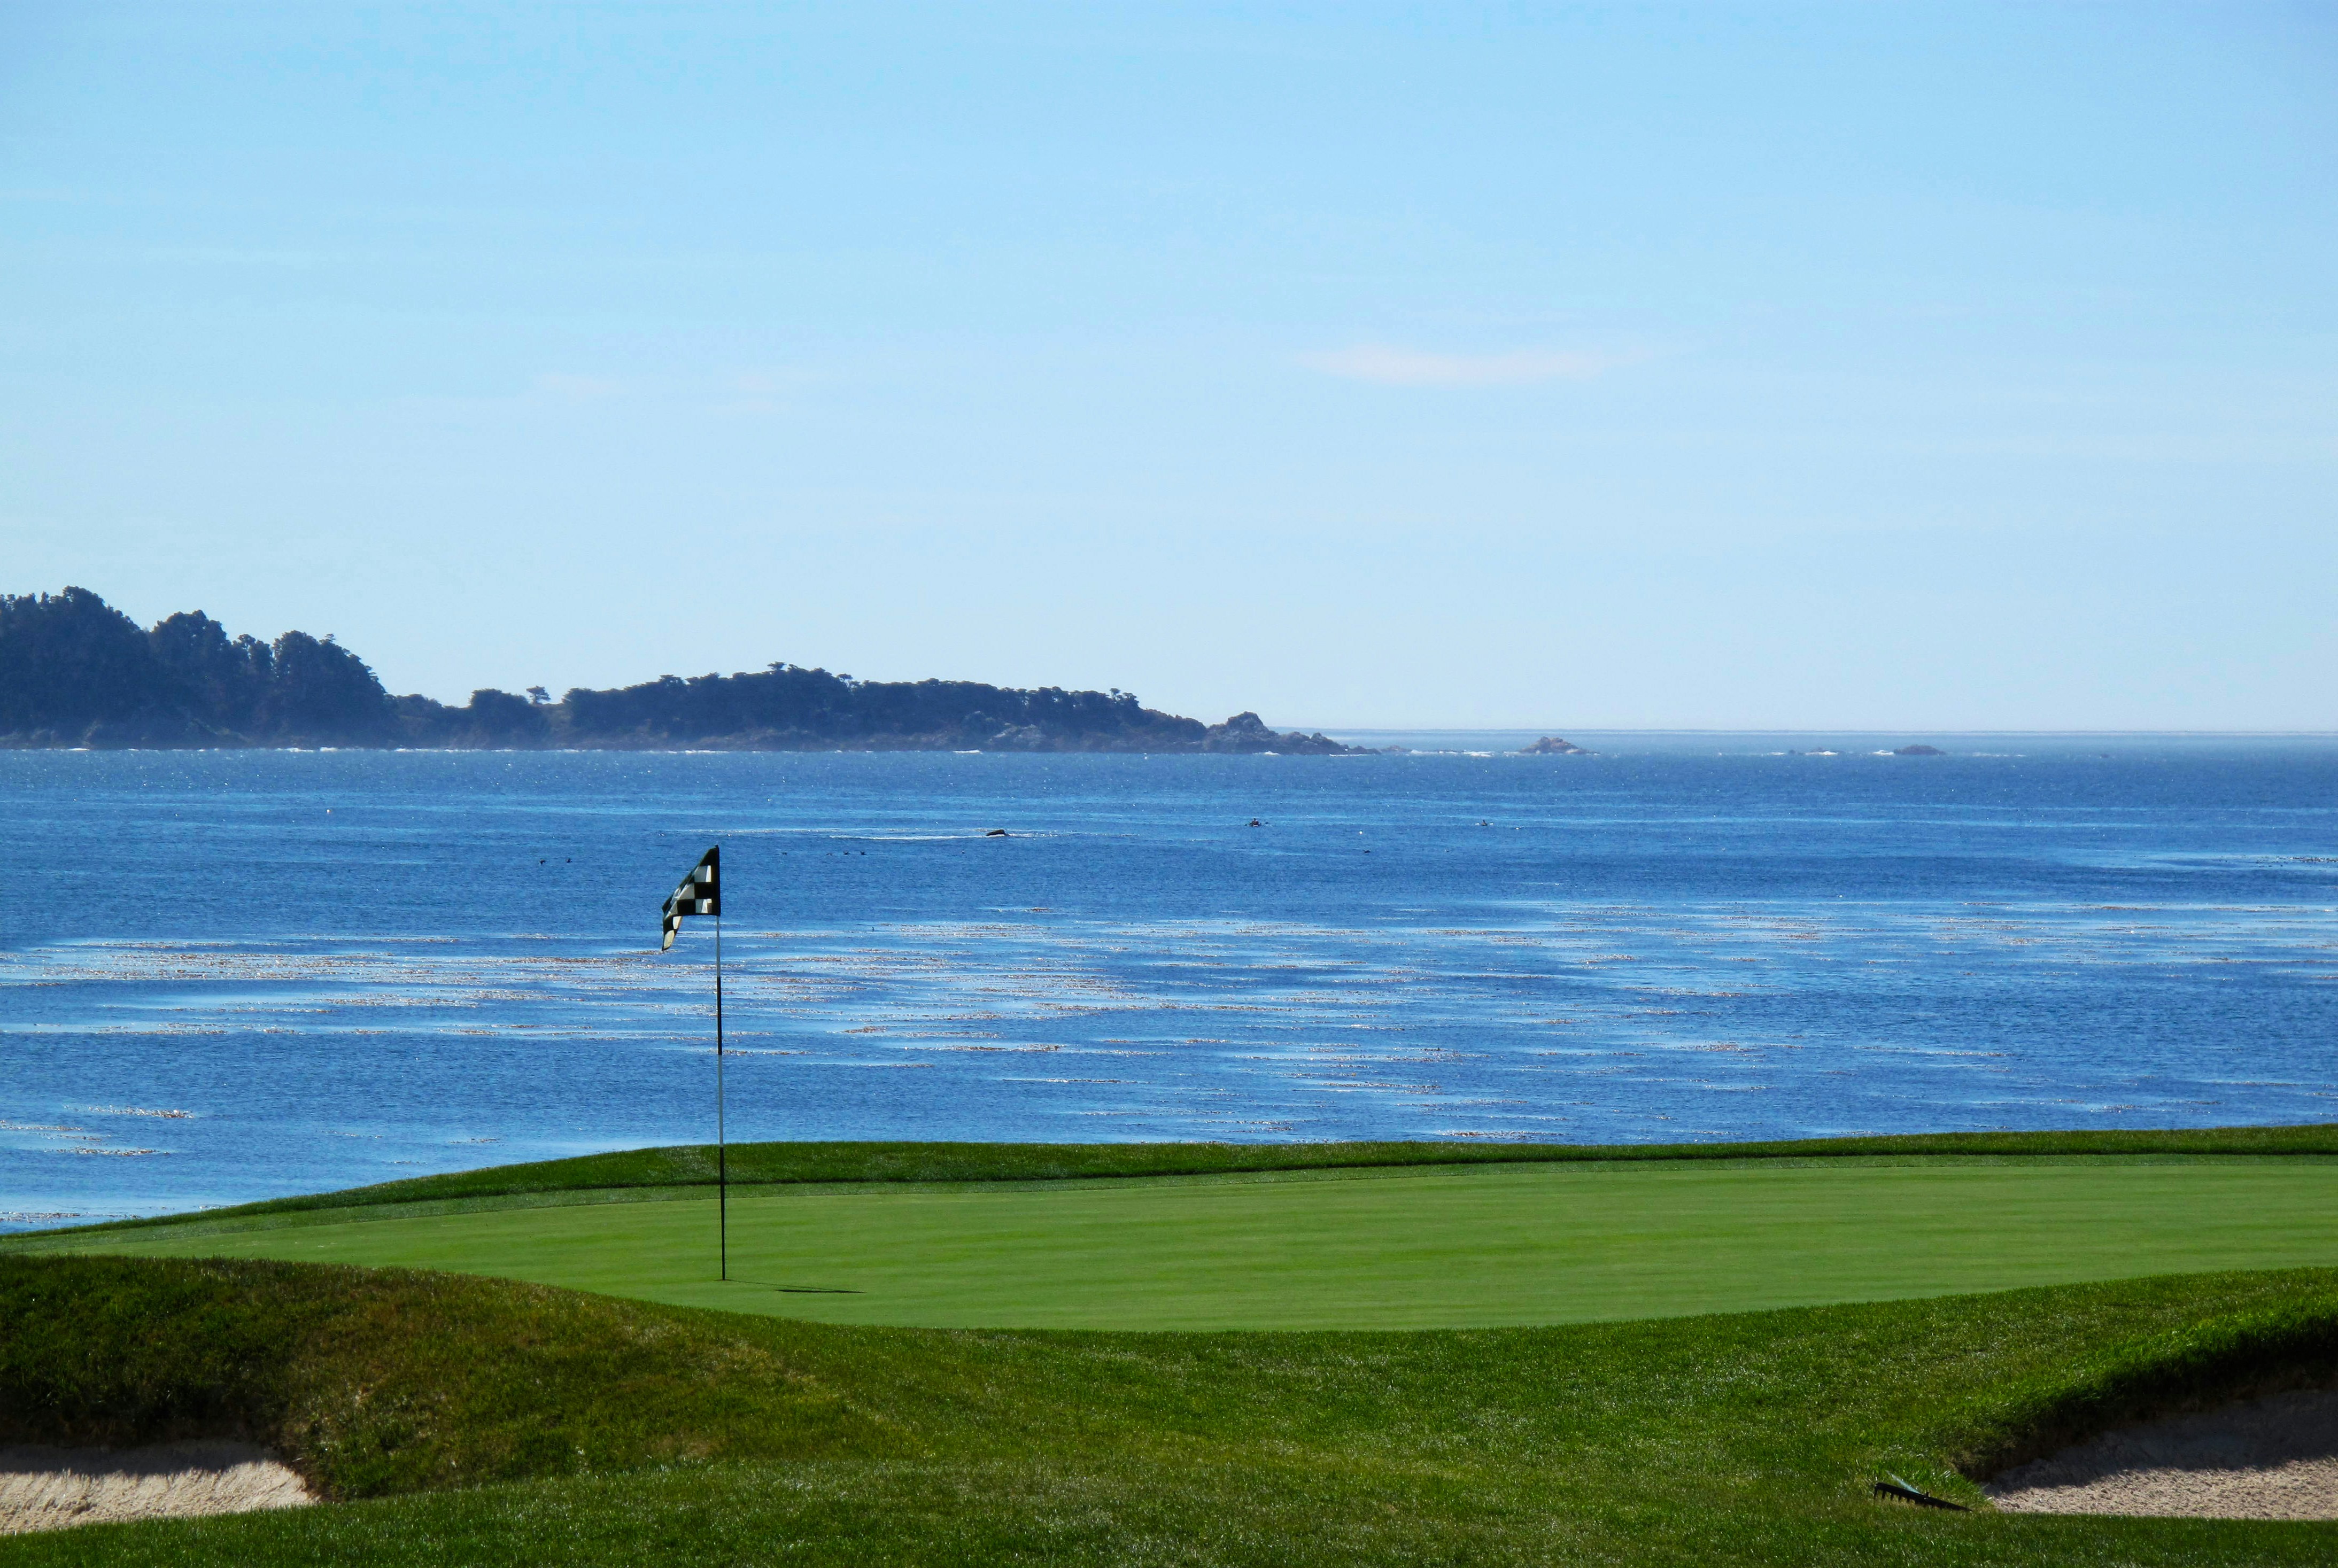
[
  {"x": 2272, "y": 1458},
  {"x": 50, "y": 1488}
]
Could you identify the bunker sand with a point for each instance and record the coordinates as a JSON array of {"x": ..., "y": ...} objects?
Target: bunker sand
[
  {"x": 2272, "y": 1458},
  {"x": 56, "y": 1488}
]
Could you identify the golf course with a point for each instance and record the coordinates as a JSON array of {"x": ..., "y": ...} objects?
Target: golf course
[{"x": 1352, "y": 1354}]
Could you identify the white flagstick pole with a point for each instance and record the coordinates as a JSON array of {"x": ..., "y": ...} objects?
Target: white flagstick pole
[{"x": 721, "y": 1151}]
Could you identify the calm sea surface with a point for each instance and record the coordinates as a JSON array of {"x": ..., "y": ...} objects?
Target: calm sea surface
[{"x": 229, "y": 975}]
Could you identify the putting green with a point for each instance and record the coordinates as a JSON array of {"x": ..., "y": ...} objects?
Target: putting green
[{"x": 1440, "y": 1248}]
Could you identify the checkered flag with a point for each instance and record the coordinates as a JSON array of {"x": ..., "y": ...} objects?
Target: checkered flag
[{"x": 700, "y": 893}]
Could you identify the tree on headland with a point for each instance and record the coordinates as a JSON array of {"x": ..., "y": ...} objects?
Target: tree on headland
[
  {"x": 322, "y": 691},
  {"x": 499, "y": 719},
  {"x": 75, "y": 672},
  {"x": 69, "y": 660},
  {"x": 226, "y": 680}
]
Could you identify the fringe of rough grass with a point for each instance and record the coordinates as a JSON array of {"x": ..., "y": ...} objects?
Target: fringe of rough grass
[{"x": 606, "y": 1434}]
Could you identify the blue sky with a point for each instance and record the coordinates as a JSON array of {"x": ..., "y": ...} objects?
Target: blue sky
[{"x": 1798, "y": 365}]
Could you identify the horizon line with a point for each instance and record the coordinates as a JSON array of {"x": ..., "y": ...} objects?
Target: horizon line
[{"x": 1798, "y": 730}]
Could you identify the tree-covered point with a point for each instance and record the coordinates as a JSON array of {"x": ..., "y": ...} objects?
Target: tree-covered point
[{"x": 77, "y": 672}]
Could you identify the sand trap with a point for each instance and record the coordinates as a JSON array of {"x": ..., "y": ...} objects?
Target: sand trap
[
  {"x": 50, "y": 1488},
  {"x": 2272, "y": 1458}
]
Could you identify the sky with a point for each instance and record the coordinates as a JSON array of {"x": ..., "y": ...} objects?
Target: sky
[{"x": 1862, "y": 365}]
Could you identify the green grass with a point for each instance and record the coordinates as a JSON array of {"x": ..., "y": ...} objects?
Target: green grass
[
  {"x": 1352, "y": 1356},
  {"x": 753, "y": 1164},
  {"x": 1424, "y": 1246},
  {"x": 486, "y": 1422}
]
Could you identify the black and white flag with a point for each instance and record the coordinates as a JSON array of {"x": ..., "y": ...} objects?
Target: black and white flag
[{"x": 700, "y": 893}]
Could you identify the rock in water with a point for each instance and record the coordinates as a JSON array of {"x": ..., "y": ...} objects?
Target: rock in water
[
  {"x": 1552, "y": 746},
  {"x": 1247, "y": 732}
]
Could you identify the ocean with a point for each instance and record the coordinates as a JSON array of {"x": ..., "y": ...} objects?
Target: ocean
[{"x": 229, "y": 976}]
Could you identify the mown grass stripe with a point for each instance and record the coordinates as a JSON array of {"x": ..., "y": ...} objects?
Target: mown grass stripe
[
  {"x": 823, "y": 1163},
  {"x": 1428, "y": 1248}
]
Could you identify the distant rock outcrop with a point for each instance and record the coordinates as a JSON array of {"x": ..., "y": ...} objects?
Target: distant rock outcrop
[
  {"x": 1920, "y": 750},
  {"x": 1247, "y": 732},
  {"x": 1552, "y": 746}
]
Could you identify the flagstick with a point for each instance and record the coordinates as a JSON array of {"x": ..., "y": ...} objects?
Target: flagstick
[{"x": 722, "y": 1161}]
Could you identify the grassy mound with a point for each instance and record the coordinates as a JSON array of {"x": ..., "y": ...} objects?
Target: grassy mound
[
  {"x": 499, "y": 1423},
  {"x": 687, "y": 1166},
  {"x": 380, "y": 1381}
]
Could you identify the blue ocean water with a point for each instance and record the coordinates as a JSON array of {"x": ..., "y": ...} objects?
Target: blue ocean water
[{"x": 232, "y": 975}]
